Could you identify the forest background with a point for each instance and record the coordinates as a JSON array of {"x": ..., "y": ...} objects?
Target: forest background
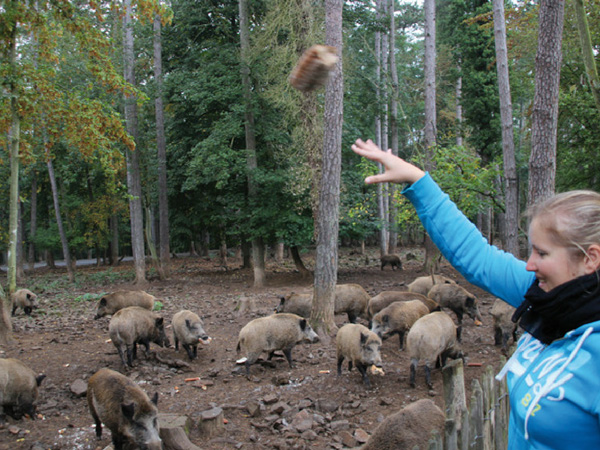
[{"x": 99, "y": 90}]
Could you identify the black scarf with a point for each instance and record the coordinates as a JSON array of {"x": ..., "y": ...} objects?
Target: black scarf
[{"x": 548, "y": 316}]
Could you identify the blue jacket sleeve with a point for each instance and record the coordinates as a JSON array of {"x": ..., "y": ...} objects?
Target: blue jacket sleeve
[{"x": 484, "y": 265}]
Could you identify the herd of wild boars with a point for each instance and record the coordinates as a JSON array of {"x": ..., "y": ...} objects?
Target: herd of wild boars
[{"x": 421, "y": 321}]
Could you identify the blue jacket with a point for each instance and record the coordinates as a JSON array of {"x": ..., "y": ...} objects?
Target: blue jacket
[{"x": 554, "y": 389}]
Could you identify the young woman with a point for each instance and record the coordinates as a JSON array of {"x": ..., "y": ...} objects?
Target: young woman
[{"x": 554, "y": 374}]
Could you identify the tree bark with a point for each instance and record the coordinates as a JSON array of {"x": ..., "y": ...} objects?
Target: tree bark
[
  {"x": 393, "y": 209},
  {"x": 161, "y": 146},
  {"x": 258, "y": 250},
  {"x": 32, "y": 223},
  {"x": 134, "y": 185},
  {"x": 304, "y": 272},
  {"x": 587, "y": 51},
  {"x": 431, "y": 252},
  {"x": 511, "y": 214},
  {"x": 544, "y": 120},
  {"x": 326, "y": 266},
  {"x": 59, "y": 222}
]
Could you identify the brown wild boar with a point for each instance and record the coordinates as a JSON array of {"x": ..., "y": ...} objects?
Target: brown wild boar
[
  {"x": 113, "y": 302},
  {"x": 391, "y": 260},
  {"x": 188, "y": 329},
  {"x": 350, "y": 299},
  {"x": 397, "y": 318},
  {"x": 386, "y": 298},
  {"x": 124, "y": 408},
  {"x": 422, "y": 285},
  {"x": 135, "y": 325},
  {"x": 409, "y": 428},
  {"x": 457, "y": 299},
  {"x": 18, "y": 389},
  {"x": 280, "y": 331},
  {"x": 504, "y": 327},
  {"x": 360, "y": 346},
  {"x": 432, "y": 339},
  {"x": 24, "y": 299}
]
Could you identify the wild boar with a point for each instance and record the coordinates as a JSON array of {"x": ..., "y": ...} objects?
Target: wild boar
[
  {"x": 397, "y": 318},
  {"x": 351, "y": 299},
  {"x": 111, "y": 303},
  {"x": 386, "y": 298},
  {"x": 280, "y": 331},
  {"x": 504, "y": 327},
  {"x": 457, "y": 299},
  {"x": 432, "y": 339},
  {"x": 18, "y": 389},
  {"x": 296, "y": 303},
  {"x": 125, "y": 409},
  {"x": 409, "y": 428},
  {"x": 188, "y": 329},
  {"x": 391, "y": 260},
  {"x": 24, "y": 299},
  {"x": 136, "y": 325},
  {"x": 360, "y": 346},
  {"x": 422, "y": 285}
]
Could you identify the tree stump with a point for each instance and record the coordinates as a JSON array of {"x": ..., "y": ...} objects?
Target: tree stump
[
  {"x": 173, "y": 432},
  {"x": 211, "y": 422},
  {"x": 245, "y": 305}
]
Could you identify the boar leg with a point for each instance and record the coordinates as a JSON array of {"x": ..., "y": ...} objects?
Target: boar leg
[
  {"x": 340, "y": 360},
  {"x": 428, "y": 376},
  {"x": 189, "y": 351},
  {"x": 176, "y": 343},
  {"x": 288, "y": 355},
  {"x": 131, "y": 354},
  {"x": 14, "y": 309},
  {"x": 413, "y": 370},
  {"x": 351, "y": 317},
  {"x": 363, "y": 371}
]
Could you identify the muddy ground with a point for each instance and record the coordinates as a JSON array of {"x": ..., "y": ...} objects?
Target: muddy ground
[{"x": 62, "y": 340}]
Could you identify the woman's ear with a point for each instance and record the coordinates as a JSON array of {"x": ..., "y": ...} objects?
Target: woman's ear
[{"x": 592, "y": 258}]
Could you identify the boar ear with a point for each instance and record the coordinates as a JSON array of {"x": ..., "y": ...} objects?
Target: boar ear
[
  {"x": 128, "y": 410},
  {"x": 188, "y": 324},
  {"x": 303, "y": 324},
  {"x": 363, "y": 338},
  {"x": 154, "y": 399},
  {"x": 40, "y": 378},
  {"x": 281, "y": 299},
  {"x": 159, "y": 321},
  {"x": 470, "y": 302},
  {"x": 103, "y": 301},
  {"x": 385, "y": 319}
]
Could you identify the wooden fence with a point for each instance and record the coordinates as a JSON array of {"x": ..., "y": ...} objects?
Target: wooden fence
[{"x": 480, "y": 425}]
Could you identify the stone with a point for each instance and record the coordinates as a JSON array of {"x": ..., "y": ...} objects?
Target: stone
[{"x": 79, "y": 388}]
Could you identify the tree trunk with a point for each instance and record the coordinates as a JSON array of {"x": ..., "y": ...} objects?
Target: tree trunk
[
  {"x": 32, "y": 223},
  {"x": 587, "y": 51},
  {"x": 459, "y": 136},
  {"x": 163, "y": 204},
  {"x": 258, "y": 250},
  {"x": 20, "y": 248},
  {"x": 431, "y": 252},
  {"x": 511, "y": 214},
  {"x": 59, "y": 222},
  {"x": 329, "y": 196},
  {"x": 304, "y": 272},
  {"x": 114, "y": 240},
  {"x": 393, "y": 209},
  {"x": 14, "y": 138},
  {"x": 544, "y": 119},
  {"x": 134, "y": 185}
]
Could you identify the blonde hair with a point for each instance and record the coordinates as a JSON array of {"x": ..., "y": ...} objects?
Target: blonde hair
[{"x": 572, "y": 219}]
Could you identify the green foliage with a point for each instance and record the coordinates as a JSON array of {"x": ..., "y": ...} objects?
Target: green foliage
[
  {"x": 87, "y": 297},
  {"x": 158, "y": 306}
]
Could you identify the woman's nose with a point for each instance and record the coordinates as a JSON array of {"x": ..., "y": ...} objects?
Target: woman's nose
[{"x": 531, "y": 266}]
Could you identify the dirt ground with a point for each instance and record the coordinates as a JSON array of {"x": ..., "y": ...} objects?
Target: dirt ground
[{"x": 62, "y": 340}]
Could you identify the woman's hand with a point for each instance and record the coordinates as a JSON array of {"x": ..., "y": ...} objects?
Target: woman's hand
[{"x": 396, "y": 169}]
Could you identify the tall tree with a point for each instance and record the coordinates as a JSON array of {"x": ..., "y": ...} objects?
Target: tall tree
[
  {"x": 258, "y": 253},
  {"x": 329, "y": 197},
  {"x": 542, "y": 161},
  {"x": 134, "y": 184},
  {"x": 163, "y": 202},
  {"x": 511, "y": 214},
  {"x": 394, "y": 95},
  {"x": 587, "y": 51},
  {"x": 431, "y": 252}
]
